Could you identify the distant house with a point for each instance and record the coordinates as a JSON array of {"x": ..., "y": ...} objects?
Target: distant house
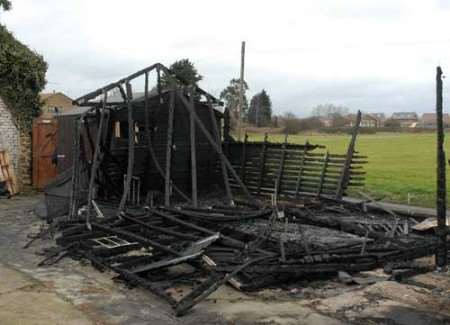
[
  {"x": 54, "y": 103},
  {"x": 405, "y": 119},
  {"x": 367, "y": 120},
  {"x": 428, "y": 120}
]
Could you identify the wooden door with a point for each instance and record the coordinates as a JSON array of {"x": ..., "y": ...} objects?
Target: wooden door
[{"x": 44, "y": 148}]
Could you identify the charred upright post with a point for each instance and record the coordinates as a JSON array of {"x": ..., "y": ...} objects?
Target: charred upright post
[
  {"x": 345, "y": 173},
  {"x": 167, "y": 184},
  {"x": 193, "y": 151},
  {"x": 441, "y": 202},
  {"x": 126, "y": 190}
]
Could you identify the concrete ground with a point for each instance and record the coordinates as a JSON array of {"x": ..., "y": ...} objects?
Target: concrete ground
[{"x": 72, "y": 292}]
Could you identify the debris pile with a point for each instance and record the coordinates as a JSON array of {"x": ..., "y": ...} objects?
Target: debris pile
[{"x": 166, "y": 248}]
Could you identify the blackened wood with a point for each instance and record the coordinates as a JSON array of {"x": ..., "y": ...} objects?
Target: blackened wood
[
  {"x": 322, "y": 176},
  {"x": 96, "y": 158},
  {"x": 74, "y": 192},
  {"x": 222, "y": 163},
  {"x": 301, "y": 170},
  {"x": 130, "y": 163},
  {"x": 343, "y": 182},
  {"x": 149, "y": 138},
  {"x": 193, "y": 153},
  {"x": 281, "y": 167},
  {"x": 144, "y": 241},
  {"x": 262, "y": 163},
  {"x": 216, "y": 147},
  {"x": 441, "y": 200},
  {"x": 167, "y": 183},
  {"x": 244, "y": 157}
]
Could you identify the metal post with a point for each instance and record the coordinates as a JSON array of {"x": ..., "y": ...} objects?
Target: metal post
[{"x": 441, "y": 202}]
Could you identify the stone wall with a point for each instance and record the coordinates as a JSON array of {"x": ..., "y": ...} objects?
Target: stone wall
[{"x": 18, "y": 144}]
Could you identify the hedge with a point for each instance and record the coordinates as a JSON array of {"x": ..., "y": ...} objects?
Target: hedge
[{"x": 22, "y": 77}]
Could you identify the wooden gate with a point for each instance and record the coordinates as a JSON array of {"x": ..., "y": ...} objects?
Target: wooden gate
[{"x": 44, "y": 147}]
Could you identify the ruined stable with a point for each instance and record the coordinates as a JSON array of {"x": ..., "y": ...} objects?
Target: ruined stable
[{"x": 157, "y": 181}]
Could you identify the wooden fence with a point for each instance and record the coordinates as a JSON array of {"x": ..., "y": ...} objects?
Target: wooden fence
[{"x": 291, "y": 169}]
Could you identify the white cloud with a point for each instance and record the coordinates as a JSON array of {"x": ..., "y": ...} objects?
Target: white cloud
[{"x": 376, "y": 55}]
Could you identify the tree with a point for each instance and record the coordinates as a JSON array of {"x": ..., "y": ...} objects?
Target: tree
[
  {"x": 260, "y": 111},
  {"x": 329, "y": 110},
  {"x": 230, "y": 96},
  {"x": 184, "y": 70},
  {"x": 338, "y": 120},
  {"x": 275, "y": 121},
  {"x": 5, "y": 5},
  {"x": 293, "y": 124}
]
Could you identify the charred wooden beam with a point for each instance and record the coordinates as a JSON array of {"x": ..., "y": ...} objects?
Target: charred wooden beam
[
  {"x": 193, "y": 152},
  {"x": 322, "y": 175},
  {"x": 345, "y": 173},
  {"x": 441, "y": 196},
  {"x": 281, "y": 167},
  {"x": 301, "y": 170},
  {"x": 97, "y": 157},
  {"x": 224, "y": 170},
  {"x": 151, "y": 150},
  {"x": 167, "y": 183},
  {"x": 262, "y": 163},
  {"x": 131, "y": 140}
]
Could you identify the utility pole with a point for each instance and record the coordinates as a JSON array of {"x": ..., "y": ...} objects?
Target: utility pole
[
  {"x": 241, "y": 92},
  {"x": 441, "y": 200}
]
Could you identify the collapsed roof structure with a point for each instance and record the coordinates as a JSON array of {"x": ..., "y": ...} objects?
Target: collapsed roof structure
[{"x": 158, "y": 191}]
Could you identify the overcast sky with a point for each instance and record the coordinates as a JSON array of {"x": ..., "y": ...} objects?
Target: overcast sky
[{"x": 371, "y": 55}]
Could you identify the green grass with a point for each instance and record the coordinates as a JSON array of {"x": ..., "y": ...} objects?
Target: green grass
[{"x": 399, "y": 163}]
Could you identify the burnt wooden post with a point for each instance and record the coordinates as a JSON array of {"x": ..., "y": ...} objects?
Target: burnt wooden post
[
  {"x": 96, "y": 158},
  {"x": 217, "y": 147},
  {"x": 167, "y": 185},
  {"x": 301, "y": 170},
  {"x": 226, "y": 130},
  {"x": 281, "y": 168},
  {"x": 75, "y": 170},
  {"x": 345, "y": 173},
  {"x": 244, "y": 157},
  {"x": 193, "y": 151},
  {"x": 130, "y": 164},
  {"x": 441, "y": 200},
  {"x": 222, "y": 163},
  {"x": 262, "y": 163},
  {"x": 323, "y": 174}
]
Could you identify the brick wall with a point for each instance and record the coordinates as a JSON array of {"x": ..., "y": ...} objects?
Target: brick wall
[
  {"x": 18, "y": 145},
  {"x": 9, "y": 135}
]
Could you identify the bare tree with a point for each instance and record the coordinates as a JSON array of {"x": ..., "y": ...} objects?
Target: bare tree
[{"x": 329, "y": 110}]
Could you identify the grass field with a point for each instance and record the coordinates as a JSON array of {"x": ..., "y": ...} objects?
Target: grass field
[{"x": 399, "y": 163}]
